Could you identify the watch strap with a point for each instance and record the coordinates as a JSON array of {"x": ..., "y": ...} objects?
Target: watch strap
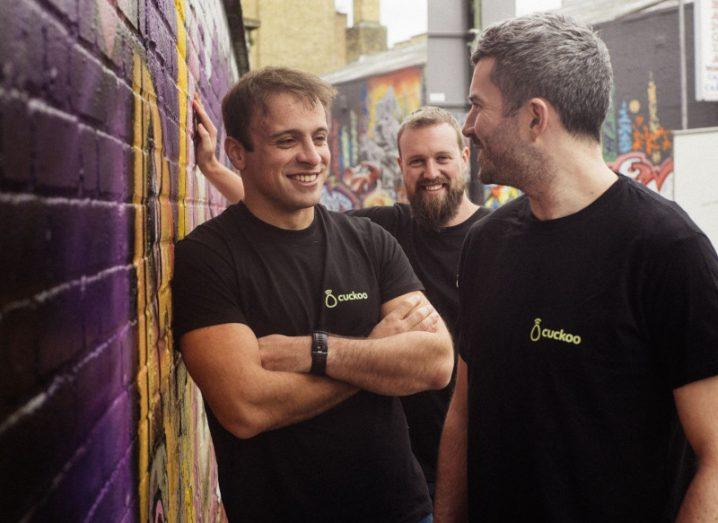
[{"x": 320, "y": 349}]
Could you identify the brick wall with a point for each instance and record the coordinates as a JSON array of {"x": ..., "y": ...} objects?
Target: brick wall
[
  {"x": 98, "y": 419},
  {"x": 304, "y": 34}
]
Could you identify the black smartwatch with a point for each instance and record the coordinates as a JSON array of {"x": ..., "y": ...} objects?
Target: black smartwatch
[{"x": 320, "y": 348}]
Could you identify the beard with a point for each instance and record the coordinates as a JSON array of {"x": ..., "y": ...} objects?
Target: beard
[
  {"x": 432, "y": 213},
  {"x": 506, "y": 161}
]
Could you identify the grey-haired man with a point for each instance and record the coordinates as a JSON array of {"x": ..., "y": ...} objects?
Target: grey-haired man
[{"x": 589, "y": 308}]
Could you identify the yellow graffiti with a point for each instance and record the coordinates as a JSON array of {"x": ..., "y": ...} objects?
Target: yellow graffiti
[
  {"x": 183, "y": 97},
  {"x": 651, "y": 137},
  {"x": 153, "y": 242},
  {"x": 177, "y": 471}
]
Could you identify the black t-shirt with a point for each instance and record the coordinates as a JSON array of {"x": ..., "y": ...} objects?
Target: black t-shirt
[
  {"x": 434, "y": 256},
  {"x": 353, "y": 462},
  {"x": 575, "y": 332}
]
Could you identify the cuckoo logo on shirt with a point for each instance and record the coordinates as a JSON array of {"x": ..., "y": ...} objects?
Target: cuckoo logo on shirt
[
  {"x": 537, "y": 332},
  {"x": 331, "y": 300}
]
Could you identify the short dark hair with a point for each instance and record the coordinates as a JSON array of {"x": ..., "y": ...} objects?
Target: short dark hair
[
  {"x": 427, "y": 116},
  {"x": 250, "y": 94},
  {"x": 551, "y": 56}
]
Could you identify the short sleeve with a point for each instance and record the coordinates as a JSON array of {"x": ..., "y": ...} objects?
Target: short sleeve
[
  {"x": 387, "y": 217},
  {"x": 396, "y": 277},
  {"x": 204, "y": 288},
  {"x": 684, "y": 311}
]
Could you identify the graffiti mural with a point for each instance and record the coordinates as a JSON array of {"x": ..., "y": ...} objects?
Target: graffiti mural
[
  {"x": 637, "y": 145},
  {"x": 365, "y": 120},
  {"x": 178, "y": 480}
]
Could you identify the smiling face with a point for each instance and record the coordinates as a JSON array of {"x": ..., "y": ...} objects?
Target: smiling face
[
  {"x": 503, "y": 158},
  {"x": 287, "y": 167},
  {"x": 434, "y": 168}
]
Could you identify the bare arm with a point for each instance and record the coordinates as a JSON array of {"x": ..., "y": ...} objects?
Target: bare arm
[
  {"x": 224, "y": 362},
  {"x": 451, "y": 488},
  {"x": 228, "y": 182},
  {"x": 396, "y": 364},
  {"x": 697, "y": 406}
]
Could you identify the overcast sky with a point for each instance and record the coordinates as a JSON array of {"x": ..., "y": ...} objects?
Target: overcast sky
[{"x": 406, "y": 18}]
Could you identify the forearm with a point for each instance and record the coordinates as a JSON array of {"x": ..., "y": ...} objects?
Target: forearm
[
  {"x": 285, "y": 398},
  {"x": 701, "y": 500},
  {"x": 450, "y": 503},
  {"x": 451, "y": 485},
  {"x": 227, "y": 182},
  {"x": 396, "y": 365}
]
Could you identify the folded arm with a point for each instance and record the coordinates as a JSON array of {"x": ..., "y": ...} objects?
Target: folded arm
[
  {"x": 697, "y": 406},
  {"x": 224, "y": 362},
  {"x": 389, "y": 362}
]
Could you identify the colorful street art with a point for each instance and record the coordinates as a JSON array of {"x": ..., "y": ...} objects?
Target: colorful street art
[
  {"x": 177, "y": 473},
  {"x": 643, "y": 149},
  {"x": 364, "y": 167},
  {"x": 497, "y": 195},
  {"x": 177, "y": 479}
]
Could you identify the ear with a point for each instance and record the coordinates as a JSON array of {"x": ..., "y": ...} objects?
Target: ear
[
  {"x": 398, "y": 161},
  {"x": 465, "y": 154},
  {"x": 236, "y": 152},
  {"x": 537, "y": 116}
]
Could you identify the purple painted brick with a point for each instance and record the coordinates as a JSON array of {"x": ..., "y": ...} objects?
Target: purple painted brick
[
  {"x": 67, "y": 8},
  {"x": 119, "y": 494},
  {"x": 114, "y": 433},
  {"x": 103, "y": 233},
  {"x": 65, "y": 235},
  {"x": 57, "y": 51},
  {"x": 34, "y": 466},
  {"x": 132, "y": 514},
  {"x": 16, "y": 141},
  {"x": 56, "y": 146},
  {"x": 60, "y": 340},
  {"x": 109, "y": 236},
  {"x": 129, "y": 356},
  {"x": 126, "y": 46},
  {"x": 115, "y": 169},
  {"x": 88, "y": 161},
  {"x": 74, "y": 494},
  {"x": 167, "y": 13},
  {"x": 86, "y": 79},
  {"x": 107, "y": 29},
  {"x": 172, "y": 141},
  {"x": 21, "y": 45},
  {"x": 93, "y": 396},
  {"x": 142, "y": 18},
  {"x": 87, "y": 20},
  {"x": 24, "y": 257},
  {"x": 119, "y": 113},
  {"x": 106, "y": 306},
  {"x": 18, "y": 352}
]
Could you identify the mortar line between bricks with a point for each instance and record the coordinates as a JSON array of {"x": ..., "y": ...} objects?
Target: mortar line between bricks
[
  {"x": 66, "y": 468},
  {"x": 10, "y": 197},
  {"x": 42, "y": 296},
  {"x": 73, "y": 29},
  {"x": 126, "y": 456},
  {"x": 37, "y": 401}
]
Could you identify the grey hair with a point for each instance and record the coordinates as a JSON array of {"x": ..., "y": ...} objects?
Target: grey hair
[
  {"x": 427, "y": 116},
  {"x": 553, "y": 57}
]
